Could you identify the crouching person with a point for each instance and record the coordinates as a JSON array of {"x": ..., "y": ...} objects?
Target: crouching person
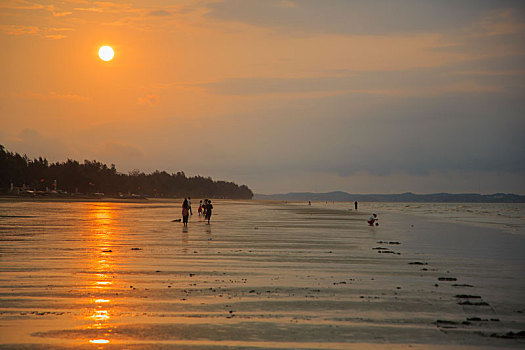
[{"x": 373, "y": 220}]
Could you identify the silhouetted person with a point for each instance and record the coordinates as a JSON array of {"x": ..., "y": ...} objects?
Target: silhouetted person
[
  {"x": 185, "y": 212},
  {"x": 189, "y": 204},
  {"x": 355, "y": 205},
  {"x": 204, "y": 207},
  {"x": 209, "y": 207}
]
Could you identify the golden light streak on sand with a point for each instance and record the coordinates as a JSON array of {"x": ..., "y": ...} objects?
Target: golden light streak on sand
[
  {"x": 102, "y": 213},
  {"x": 102, "y": 301},
  {"x": 105, "y": 283},
  {"x": 101, "y": 238},
  {"x": 100, "y": 315}
]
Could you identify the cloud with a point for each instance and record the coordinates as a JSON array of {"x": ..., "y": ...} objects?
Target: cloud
[
  {"x": 20, "y": 5},
  {"x": 160, "y": 13},
  {"x": 381, "y": 135},
  {"x": 149, "y": 100},
  {"x": 54, "y": 96},
  {"x": 13, "y": 29},
  {"x": 360, "y": 17},
  {"x": 61, "y": 14},
  {"x": 57, "y": 13},
  {"x": 415, "y": 82},
  {"x": 500, "y": 22},
  {"x": 109, "y": 7},
  {"x": 55, "y": 36},
  {"x": 61, "y": 29},
  {"x": 287, "y": 4},
  {"x": 89, "y": 9},
  {"x": 44, "y": 32}
]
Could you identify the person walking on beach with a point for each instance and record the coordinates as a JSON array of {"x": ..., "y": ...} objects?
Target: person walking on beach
[
  {"x": 204, "y": 207},
  {"x": 185, "y": 212},
  {"x": 189, "y": 203},
  {"x": 355, "y": 205},
  {"x": 373, "y": 219},
  {"x": 209, "y": 207},
  {"x": 200, "y": 207}
]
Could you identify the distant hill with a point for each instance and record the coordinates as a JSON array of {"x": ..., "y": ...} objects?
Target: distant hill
[{"x": 339, "y": 196}]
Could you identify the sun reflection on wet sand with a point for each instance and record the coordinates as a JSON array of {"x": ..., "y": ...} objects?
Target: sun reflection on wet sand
[
  {"x": 103, "y": 283},
  {"x": 100, "y": 315},
  {"x": 102, "y": 301},
  {"x": 101, "y": 239},
  {"x": 184, "y": 240}
]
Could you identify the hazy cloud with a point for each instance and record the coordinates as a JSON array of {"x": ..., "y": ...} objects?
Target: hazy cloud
[
  {"x": 89, "y": 9},
  {"x": 414, "y": 82},
  {"x": 100, "y": 6},
  {"x": 348, "y": 134},
  {"x": 359, "y": 17},
  {"x": 159, "y": 13},
  {"x": 55, "y": 96},
  {"x": 44, "y": 32},
  {"x": 12, "y": 29},
  {"x": 149, "y": 100},
  {"x": 55, "y": 36},
  {"x": 501, "y": 22},
  {"x": 56, "y": 12},
  {"x": 20, "y": 5},
  {"x": 62, "y": 14}
]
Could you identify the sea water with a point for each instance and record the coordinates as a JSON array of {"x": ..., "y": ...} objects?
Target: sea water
[{"x": 505, "y": 216}]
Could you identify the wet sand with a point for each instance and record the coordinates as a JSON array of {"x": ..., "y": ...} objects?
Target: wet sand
[{"x": 262, "y": 275}]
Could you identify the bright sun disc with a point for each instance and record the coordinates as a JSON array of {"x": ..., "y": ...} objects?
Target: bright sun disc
[{"x": 106, "y": 53}]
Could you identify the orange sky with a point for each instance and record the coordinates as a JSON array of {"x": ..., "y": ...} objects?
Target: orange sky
[{"x": 387, "y": 96}]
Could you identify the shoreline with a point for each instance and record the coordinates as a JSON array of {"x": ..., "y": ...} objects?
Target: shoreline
[
  {"x": 152, "y": 200},
  {"x": 283, "y": 201}
]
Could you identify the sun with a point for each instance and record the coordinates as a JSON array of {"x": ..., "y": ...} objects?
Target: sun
[{"x": 106, "y": 53}]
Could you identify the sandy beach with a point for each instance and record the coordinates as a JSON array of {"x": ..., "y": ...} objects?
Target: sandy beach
[{"x": 101, "y": 275}]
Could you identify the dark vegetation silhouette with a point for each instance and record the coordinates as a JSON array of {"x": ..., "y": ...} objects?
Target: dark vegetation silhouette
[{"x": 95, "y": 177}]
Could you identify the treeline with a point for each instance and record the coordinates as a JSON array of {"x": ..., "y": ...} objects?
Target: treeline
[{"x": 95, "y": 177}]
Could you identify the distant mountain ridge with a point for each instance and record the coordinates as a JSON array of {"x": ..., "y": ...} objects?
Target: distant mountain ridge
[{"x": 340, "y": 196}]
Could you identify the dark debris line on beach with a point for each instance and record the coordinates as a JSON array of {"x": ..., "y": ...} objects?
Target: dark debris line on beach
[{"x": 472, "y": 305}]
